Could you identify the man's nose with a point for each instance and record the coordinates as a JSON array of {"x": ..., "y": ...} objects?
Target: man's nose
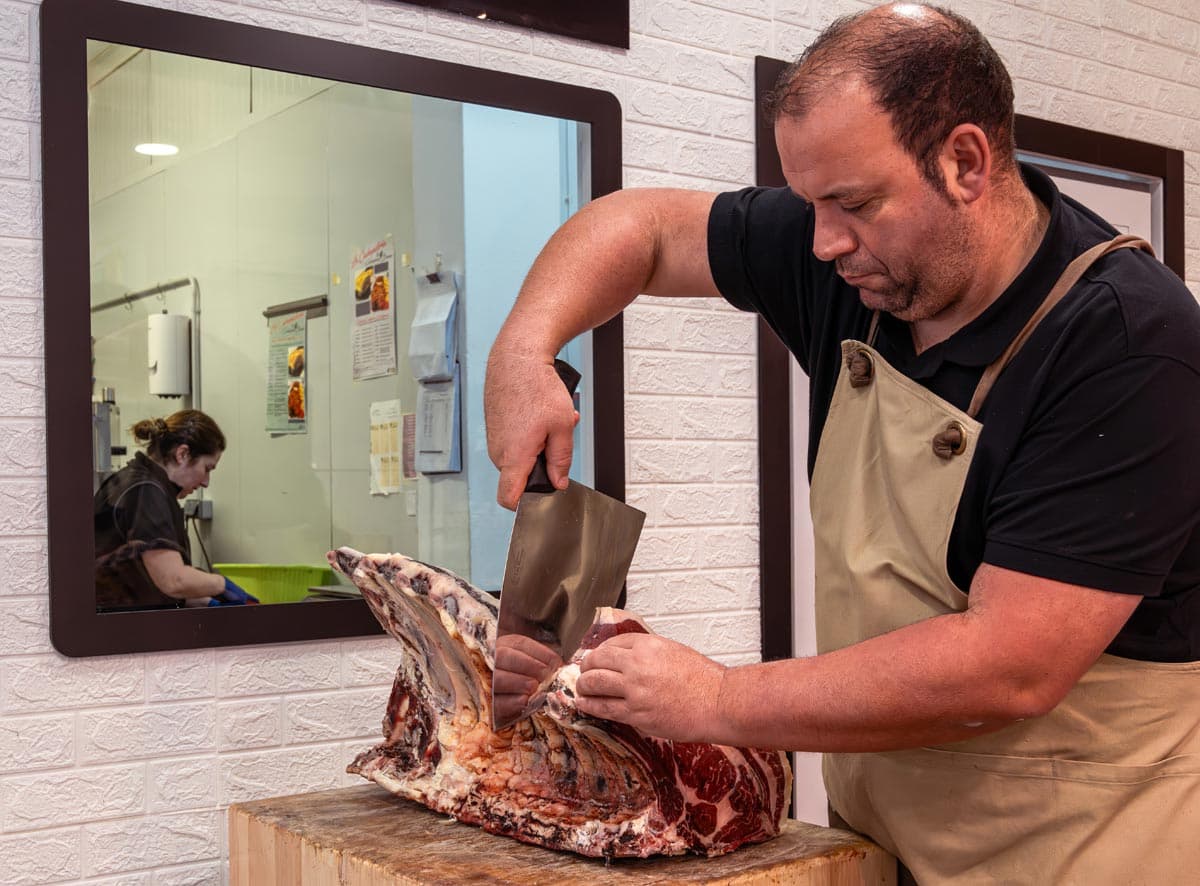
[{"x": 832, "y": 240}]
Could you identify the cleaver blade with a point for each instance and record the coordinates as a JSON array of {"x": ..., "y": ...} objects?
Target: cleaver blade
[{"x": 569, "y": 553}]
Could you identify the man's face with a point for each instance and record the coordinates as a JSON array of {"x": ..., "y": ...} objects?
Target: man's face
[{"x": 900, "y": 242}]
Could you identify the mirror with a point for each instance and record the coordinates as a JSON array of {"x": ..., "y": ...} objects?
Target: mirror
[{"x": 314, "y": 244}]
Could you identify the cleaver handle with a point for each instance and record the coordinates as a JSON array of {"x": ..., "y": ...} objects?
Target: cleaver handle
[{"x": 539, "y": 480}]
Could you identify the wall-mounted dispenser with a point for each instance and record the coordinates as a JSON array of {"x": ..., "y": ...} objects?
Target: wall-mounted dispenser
[
  {"x": 433, "y": 356},
  {"x": 169, "y": 351}
]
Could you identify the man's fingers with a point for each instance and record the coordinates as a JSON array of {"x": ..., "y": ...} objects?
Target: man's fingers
[
  {"x": 527, "y": 410},
  {"x": 517, "y": 662},
  {"x": 601, "y": 708},
  {"x": 598, "y": 658},
  {"x": 558, "y": 457},
  {"x": 512, "y": 483},
  {"x": 609, "y": 653},
  {"x": 596, "y": 683},
  {"x": 510, "y": 683}
]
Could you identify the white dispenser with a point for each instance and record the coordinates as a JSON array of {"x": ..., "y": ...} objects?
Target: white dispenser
[{"x": 168, "y": 347}]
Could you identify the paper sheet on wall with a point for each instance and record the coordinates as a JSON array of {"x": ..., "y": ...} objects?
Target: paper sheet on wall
[
  {"x": 410, "y": 446},
  {"x": 287, "y": 381},
  {"x": 373, "y": 335},
  {"x": 438, "y": 427},
  {"x": 386, "y": 447}
]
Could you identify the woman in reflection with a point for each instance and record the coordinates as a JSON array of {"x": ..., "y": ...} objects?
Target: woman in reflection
[{"x": 143, "y": 559}]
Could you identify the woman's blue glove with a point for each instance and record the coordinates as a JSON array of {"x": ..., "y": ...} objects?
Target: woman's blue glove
[{"x": 232, "y": 596}]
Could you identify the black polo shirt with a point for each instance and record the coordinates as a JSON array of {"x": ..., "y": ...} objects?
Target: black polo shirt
[
  {"x": 1087, "y": 470},
  {"x": 136, "y": 510}
]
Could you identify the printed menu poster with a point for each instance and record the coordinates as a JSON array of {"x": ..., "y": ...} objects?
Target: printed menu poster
[
  {"x": 386, "y": 447},
  {"x": 373, "y": 335},
  {"x": 287, "y": 381}
]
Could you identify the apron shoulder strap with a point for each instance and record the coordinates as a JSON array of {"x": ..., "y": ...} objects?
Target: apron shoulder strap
[
  {"x": 874, "y": 329},
  {"x": 1076, "y": 269}
]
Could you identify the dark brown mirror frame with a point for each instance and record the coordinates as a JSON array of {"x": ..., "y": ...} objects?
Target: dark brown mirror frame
[
  {"x": 774, "y": 361},
  {"x": 76, "y": 629}
]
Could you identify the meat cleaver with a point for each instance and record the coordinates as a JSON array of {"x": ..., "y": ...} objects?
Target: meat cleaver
[{"x": 569, "y": 553}]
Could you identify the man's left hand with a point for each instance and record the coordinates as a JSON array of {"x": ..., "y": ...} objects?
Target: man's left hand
[{"x": 656, "y": 685}]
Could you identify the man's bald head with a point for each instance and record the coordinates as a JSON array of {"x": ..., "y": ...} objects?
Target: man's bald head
[{"x": 928, "y": 68}]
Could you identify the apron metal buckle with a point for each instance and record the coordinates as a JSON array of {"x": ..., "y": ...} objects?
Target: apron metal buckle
[{"x": 950, "y": 441}]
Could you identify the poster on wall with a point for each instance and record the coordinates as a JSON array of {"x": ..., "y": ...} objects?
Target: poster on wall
[
  {"x": 410, "y": 446},
  {"x": 287, "y": 381},
  {"x": 373, "y": 334},
  {"x": 386, "y": 444}
]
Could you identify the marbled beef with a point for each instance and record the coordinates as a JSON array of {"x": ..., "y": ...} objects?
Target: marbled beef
[{"x": 558, "y": 779}]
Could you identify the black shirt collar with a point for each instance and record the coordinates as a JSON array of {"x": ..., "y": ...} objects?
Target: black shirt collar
[
  {"x": 149, "y": 466},
  {"x": 984, "y": 339}
]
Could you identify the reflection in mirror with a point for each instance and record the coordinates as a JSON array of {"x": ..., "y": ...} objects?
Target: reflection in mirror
[
  {"x": 143, "y": 560},
  {"x": 314, "y": 247},
  {"x": 320, "y": 267}
]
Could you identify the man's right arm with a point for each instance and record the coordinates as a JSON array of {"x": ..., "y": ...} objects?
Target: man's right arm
[{"x": 630, "y": 242}]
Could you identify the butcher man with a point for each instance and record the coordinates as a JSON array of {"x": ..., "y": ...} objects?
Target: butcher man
[{"x": 1005, "y": 431}]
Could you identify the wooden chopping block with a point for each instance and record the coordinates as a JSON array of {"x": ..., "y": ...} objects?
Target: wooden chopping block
[{"x": 364, "y": 836}]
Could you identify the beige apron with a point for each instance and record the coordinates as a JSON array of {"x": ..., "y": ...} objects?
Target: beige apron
[{"x": 1105, "y": 789}]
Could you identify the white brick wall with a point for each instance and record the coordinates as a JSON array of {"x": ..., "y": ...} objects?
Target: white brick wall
[{"x": 117, "y": 770}]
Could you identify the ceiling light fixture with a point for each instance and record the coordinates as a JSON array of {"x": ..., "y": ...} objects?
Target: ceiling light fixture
[{"x": 156, "y": 149}]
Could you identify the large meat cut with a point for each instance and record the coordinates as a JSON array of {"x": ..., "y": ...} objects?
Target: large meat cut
[{"x": 557, "y": 779}]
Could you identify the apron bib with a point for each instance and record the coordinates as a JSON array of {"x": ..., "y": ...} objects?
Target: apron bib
[{"x": 1099, "y": 791}]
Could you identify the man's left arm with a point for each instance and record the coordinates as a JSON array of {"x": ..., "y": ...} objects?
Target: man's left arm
[{"x": 1014, "y": 653}]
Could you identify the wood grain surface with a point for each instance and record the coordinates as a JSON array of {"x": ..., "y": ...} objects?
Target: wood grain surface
[{"x": 364, "y": 836}]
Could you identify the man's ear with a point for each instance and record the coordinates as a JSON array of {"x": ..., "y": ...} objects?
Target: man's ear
[{"x": 966, "y": 162}]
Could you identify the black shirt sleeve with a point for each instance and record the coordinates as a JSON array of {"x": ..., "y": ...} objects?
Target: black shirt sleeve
[
  {"x": 759, "y": 250},
  {"x": 760, "y": 253}
]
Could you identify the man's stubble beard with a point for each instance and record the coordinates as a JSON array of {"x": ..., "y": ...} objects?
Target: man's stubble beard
[{"x": 921, "y": 292}]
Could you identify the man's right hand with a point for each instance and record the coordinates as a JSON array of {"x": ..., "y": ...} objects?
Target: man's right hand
[{"x": 527, "y": 410}]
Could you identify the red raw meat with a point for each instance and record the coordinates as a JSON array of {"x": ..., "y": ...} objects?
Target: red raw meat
[{"x": 558, "y": 779}]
